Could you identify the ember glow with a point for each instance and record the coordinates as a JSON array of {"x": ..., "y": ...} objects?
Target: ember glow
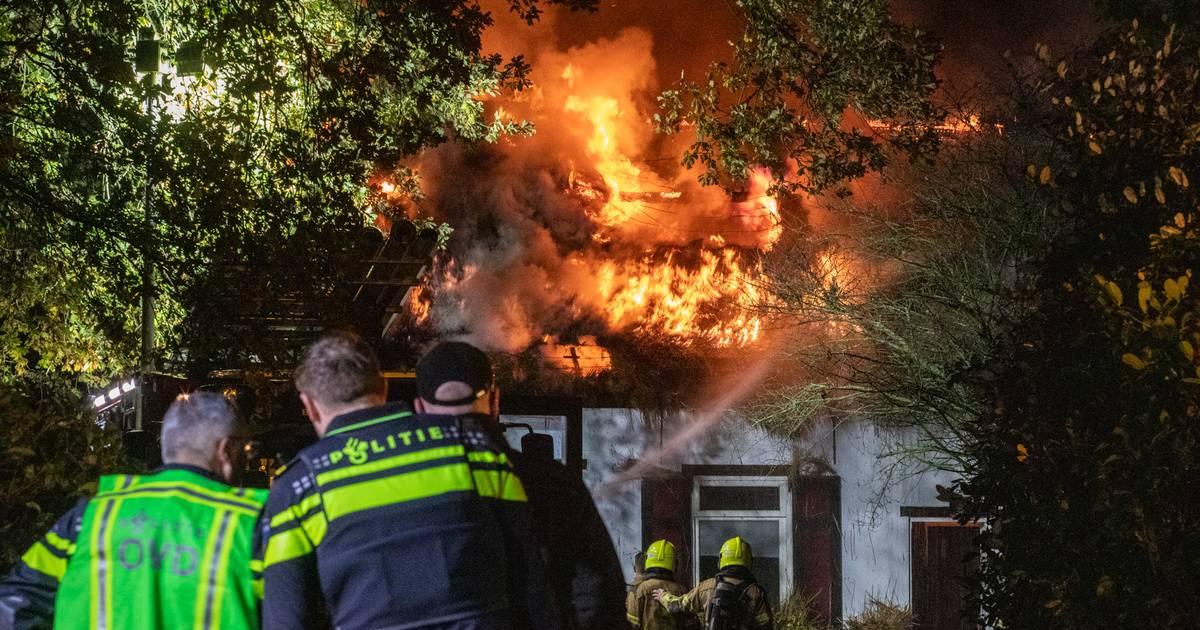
[{"x": 585, "y": 229}]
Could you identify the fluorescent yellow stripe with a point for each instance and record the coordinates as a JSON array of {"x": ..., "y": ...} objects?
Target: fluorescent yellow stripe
[
  {"x": 41, "y": 559},
  {"x": 222, "y": 585},
  {"x": 243, "y": 502},
  {"x": 286, "y": 546},
  {"x": 94, "y": 563},
  {"x": 296, "y": 511},
  {"x": 204, "y": 577},
  {"x": 314, "y": 527},
  {"x": 58, "y": 542},
  {"x": 258, "y": 588},
  {"x": 390, "y": 462},
  {"x": 256, "y": 565},
  {"x": 137, "y": 494},
  {"x": 410, "y": 486},
  {"x": 488, "y": 457},
  {"x": 110, "y": 595},
  {"x": 499, "y": 484}
]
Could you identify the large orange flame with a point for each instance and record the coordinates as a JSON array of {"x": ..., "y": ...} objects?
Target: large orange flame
[{"x": 668, "y": 259}]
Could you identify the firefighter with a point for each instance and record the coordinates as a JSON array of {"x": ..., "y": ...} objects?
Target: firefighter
[
  {"x": 732, "y": 600},
  {"x": 393, "y": 519},
  {"x": 172, "y": 549},
  {"x": 658, "y": 575}
]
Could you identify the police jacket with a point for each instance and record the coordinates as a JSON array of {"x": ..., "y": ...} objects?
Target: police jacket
[
  {"x": 168, "y": 550},
  {"x": 396, "y": 520},
  {"x": 582, "y": 568},
  {"x": 643, "y": 612},
  {"x": 698, "y": 600}
]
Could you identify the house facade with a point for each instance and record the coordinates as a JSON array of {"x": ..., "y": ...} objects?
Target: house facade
[{"x": 830, "y": 516}]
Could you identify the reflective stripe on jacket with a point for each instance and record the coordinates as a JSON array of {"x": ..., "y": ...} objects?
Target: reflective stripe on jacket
[{"x": 395, "y": 520}]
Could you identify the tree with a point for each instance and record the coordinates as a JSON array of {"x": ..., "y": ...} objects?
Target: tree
[
  {"x": 267, "y": 160},
  {"x": 1036, "y": 326},
  {"x": 1084, "y": 459},
  {"x": 782, "y": 102}
]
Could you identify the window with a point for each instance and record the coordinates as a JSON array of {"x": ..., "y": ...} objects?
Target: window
[
  {"x": 554, "y": 426},
  {"x": 756, "y": 508}
]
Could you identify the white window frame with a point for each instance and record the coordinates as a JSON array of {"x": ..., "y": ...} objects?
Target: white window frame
[{"x": 783, "y": 516}]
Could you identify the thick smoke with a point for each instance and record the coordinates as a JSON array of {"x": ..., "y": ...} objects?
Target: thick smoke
[
  {"x": 589, "y": 226},
  {"x": 574, "y": 230}
]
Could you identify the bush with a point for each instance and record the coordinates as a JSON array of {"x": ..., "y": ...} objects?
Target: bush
[{"x": 53, "y": 453}]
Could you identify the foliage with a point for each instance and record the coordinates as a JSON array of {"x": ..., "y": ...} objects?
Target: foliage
[
  {"x": 244, "y": 184},
  {"x": 258, "y": 165},
  {"x": 1084, "y": 461},
  {"x": 781, "y": 102},
  {"x": 53, "y": 452},
  {"x": 900, "y": 322},
  {"x": 881, "y": 615}
]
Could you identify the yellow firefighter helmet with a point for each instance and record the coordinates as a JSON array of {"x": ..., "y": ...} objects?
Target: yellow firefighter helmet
[
  {"x": 661, "y": 555},
  {"x": 735, "y": 551}
]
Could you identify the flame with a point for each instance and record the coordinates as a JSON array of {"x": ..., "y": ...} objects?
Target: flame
[
  {"x": 958, "y": 125},
  {"x": 710, "y": 302},
  {"x": 661, "y": 257}
]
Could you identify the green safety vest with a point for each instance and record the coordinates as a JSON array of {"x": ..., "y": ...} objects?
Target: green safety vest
[{"x": 168, "y": 550}]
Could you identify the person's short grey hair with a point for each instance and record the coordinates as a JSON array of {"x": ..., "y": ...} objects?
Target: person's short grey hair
[{"x": 195, "y": 424}]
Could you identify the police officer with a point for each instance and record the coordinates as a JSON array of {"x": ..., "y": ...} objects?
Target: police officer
[
  {"x": 396, "y": 520},
  {"x": 172, "y": 549},
  {"x": 658, "y": 573},
  {"x": 732, "y": 600}
]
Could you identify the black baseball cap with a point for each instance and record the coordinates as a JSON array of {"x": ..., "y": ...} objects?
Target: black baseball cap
[{"x": 452, "y": 361}]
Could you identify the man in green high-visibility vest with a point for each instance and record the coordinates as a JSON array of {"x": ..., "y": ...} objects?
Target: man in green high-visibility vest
[{"x": 172, "y": 549}]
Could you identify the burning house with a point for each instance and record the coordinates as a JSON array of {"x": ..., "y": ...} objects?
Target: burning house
[{"x": 582, "y": 238}]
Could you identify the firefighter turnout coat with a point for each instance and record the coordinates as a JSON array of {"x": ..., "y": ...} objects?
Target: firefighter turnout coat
[
  {"x": 643, "y": 612},
  {"x": 168, "y": 550},
  {"x": 697, "y": 600},
  {"x": 396, "y": 520}
]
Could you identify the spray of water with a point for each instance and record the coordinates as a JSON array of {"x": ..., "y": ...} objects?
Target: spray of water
[{"x": 732, "y": 390}]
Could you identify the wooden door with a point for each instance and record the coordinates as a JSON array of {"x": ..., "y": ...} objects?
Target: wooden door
[{"x": 942, "y": 562}]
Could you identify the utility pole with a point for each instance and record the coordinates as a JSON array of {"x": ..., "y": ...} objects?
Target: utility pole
[{"x": 147, "y": 61}]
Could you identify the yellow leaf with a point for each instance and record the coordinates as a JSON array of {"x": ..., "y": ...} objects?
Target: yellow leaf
[
  {"x": 1144, "y": 295},
  {"x": 1130, "y": 194},
  {"x": 1022, "y": 453},
  {"x": 1183, "y": 284},
  {"x": 1179, "y": 220},
  {"x": 1159, "y": 196},
  {"x": 1044, "y": 177},
  {"x": 1104, "y": 586},
  {"x": 1094, "y": 147},
  {"x": 1096, "y": 85},
  {"x": 1188, "y": 349},
  {"x": 1032, "y": 170},
  {"x": 1062, "y": 69},
  {"x": 1079, "y": 120},
  {"x": 1114, "y": 293},
  {"x": 1171, "y": 288},
  {"x": 1198, "y": 371},
  {"x": 1178, "y": 177},
  {"x": 1133, "y": 361}
]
